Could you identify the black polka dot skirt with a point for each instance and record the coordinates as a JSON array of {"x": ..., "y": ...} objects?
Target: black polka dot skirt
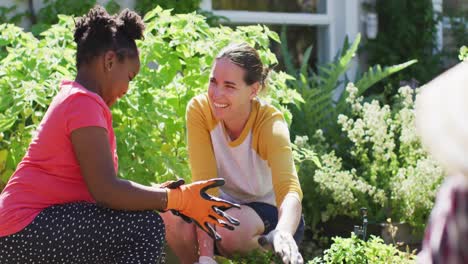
[{"x": 87, "y": 233}]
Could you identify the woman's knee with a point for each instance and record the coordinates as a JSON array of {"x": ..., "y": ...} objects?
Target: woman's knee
[
  {"x": 181, "y": 238},
  {"x": 244, "y": 237},
  {"x": 229, "y": 243}
]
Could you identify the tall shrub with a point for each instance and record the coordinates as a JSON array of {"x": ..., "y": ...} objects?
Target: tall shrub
[{"x": 386, "y": 171}]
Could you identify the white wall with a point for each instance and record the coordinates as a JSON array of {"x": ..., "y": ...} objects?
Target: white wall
[{"x": 345, "y": 22}]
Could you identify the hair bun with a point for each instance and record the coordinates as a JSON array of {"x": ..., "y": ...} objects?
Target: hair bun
[
  {"x": 96, "y": 24},
  {"x": 130, "y": 24}
]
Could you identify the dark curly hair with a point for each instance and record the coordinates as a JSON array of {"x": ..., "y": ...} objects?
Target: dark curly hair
[{"x": 98, "y": 32}]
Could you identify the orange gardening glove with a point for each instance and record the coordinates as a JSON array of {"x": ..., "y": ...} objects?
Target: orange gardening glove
[
  {"x": 175, "y": 185},
  {"x": 205, "y": 210}
]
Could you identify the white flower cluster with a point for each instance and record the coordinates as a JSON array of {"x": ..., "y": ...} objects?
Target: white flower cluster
[
  {"x": 344, "y": 186},
  {"x": 414, "y": 188},
  {"x": 390, "y": 168}
]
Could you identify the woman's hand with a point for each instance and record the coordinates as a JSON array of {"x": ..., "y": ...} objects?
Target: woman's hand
[
  {"x": 205, "y": 210},
  {"x": 206, "y": 260},
  {"x": 283, "y": 244}
]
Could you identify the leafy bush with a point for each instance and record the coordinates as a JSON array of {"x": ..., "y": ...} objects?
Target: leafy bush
[
  {"x": 179, "y": 7},
  {"x": 257, "y": 257},
  {"x": 319, "y": 89},
  {"x": 356, "y": 251},
  {"x": 29, "y": 77},
  {"x": 48, "y": 14},
  {"x": 9, "y": 14},
  {"x": 149, "y": 122},
  {"x": 319, "y": 112},
  {"x": 387, "y": 171}
]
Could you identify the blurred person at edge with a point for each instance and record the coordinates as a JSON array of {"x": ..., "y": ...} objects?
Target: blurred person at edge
[
  {"x": 442, "y": 123},
  {"x": 65, "y": 203},
  {"x": 234, "y": 135}
]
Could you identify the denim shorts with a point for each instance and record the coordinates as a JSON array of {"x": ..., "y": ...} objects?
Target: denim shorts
[{"x": 269, "y": 215}]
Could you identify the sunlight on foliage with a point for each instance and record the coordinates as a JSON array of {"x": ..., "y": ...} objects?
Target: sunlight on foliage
[
  {"x": 356, "y": 251},
  {"x": 149, "y": 122},
  {"x": 391, "y": 175}
]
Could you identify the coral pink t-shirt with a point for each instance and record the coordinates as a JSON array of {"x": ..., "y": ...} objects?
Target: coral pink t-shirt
[{"x": 49, "y": 173}]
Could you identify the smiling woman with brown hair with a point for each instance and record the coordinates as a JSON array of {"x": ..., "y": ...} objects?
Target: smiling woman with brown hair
[{"x": 234, "y": 135}]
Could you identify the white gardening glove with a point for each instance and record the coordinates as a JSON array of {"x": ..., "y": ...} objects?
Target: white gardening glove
[
  {"x": 284, "y": 245},
  {"x": 205, "y": 260}
]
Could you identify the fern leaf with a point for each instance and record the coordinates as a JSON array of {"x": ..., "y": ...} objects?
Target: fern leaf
[
  {"x": 342, "y": 65},
  {"x": 288, "y": 62},
  {"x": 305, "y": 60},
  {"x": 376, "y": 74}
]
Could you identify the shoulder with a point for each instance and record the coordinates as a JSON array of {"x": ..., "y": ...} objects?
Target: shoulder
[
  {"x": 199, "y": 102},
  {"x": 72, "y": 95},
  {"x": 199, "y": 111},
  {"x": 270, "y": 130},
  {"x": 82, "y": 107},
  {"x": 267, "y": 117}
]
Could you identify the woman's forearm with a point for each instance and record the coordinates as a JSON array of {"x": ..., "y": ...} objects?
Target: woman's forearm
[
  {"x": 289, "y": 213},
  {"x": 205, "y": 244},
  {"x": 127, "y": 195}
]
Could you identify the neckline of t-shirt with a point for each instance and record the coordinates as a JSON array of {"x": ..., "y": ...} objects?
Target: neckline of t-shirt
[
  {"x": 76, "y": 84},
  {"x": 245, "y": 130}
]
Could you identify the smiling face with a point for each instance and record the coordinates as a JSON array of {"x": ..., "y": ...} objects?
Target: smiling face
[
  {"x": 230, "y": 97},
  {"x": 118, "y": 74}
]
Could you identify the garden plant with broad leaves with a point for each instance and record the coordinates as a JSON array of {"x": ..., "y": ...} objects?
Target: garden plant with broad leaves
[{"x": 176, "y": 58}]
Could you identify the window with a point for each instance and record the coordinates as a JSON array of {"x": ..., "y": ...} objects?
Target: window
[
  {"x": 303, "y": 20},
  {"x": 295, "y": 6},
  {"x": 325, "y": 23},
  {"x": 299, "y": 38}
]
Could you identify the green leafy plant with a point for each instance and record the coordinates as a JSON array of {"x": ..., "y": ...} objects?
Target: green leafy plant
[
  {"x": 356, "y": 251},
  {"x": 387, "y": 170},
  {"x": 183, "y": 47},
  {"x": 48, "y": 14},
  {"x": 320, "y": 109},
  {"x": 10, "y": 14},
  {"x": 257, "y": 257},
  {"x": 149, "y": 122},
  {"x": 319, "y": 112},
  {"x": 178, "y": 7},
  {"x": 29, "y": 78}
]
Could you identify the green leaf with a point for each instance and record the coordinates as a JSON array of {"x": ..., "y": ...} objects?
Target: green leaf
[
  {"x": 305, "y": 60},
  {"x": 6, "y": 123},
  {"x": 376, "y": 74}
]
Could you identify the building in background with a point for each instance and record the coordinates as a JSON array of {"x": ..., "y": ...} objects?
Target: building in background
[{"x": 324, "y": 24}]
